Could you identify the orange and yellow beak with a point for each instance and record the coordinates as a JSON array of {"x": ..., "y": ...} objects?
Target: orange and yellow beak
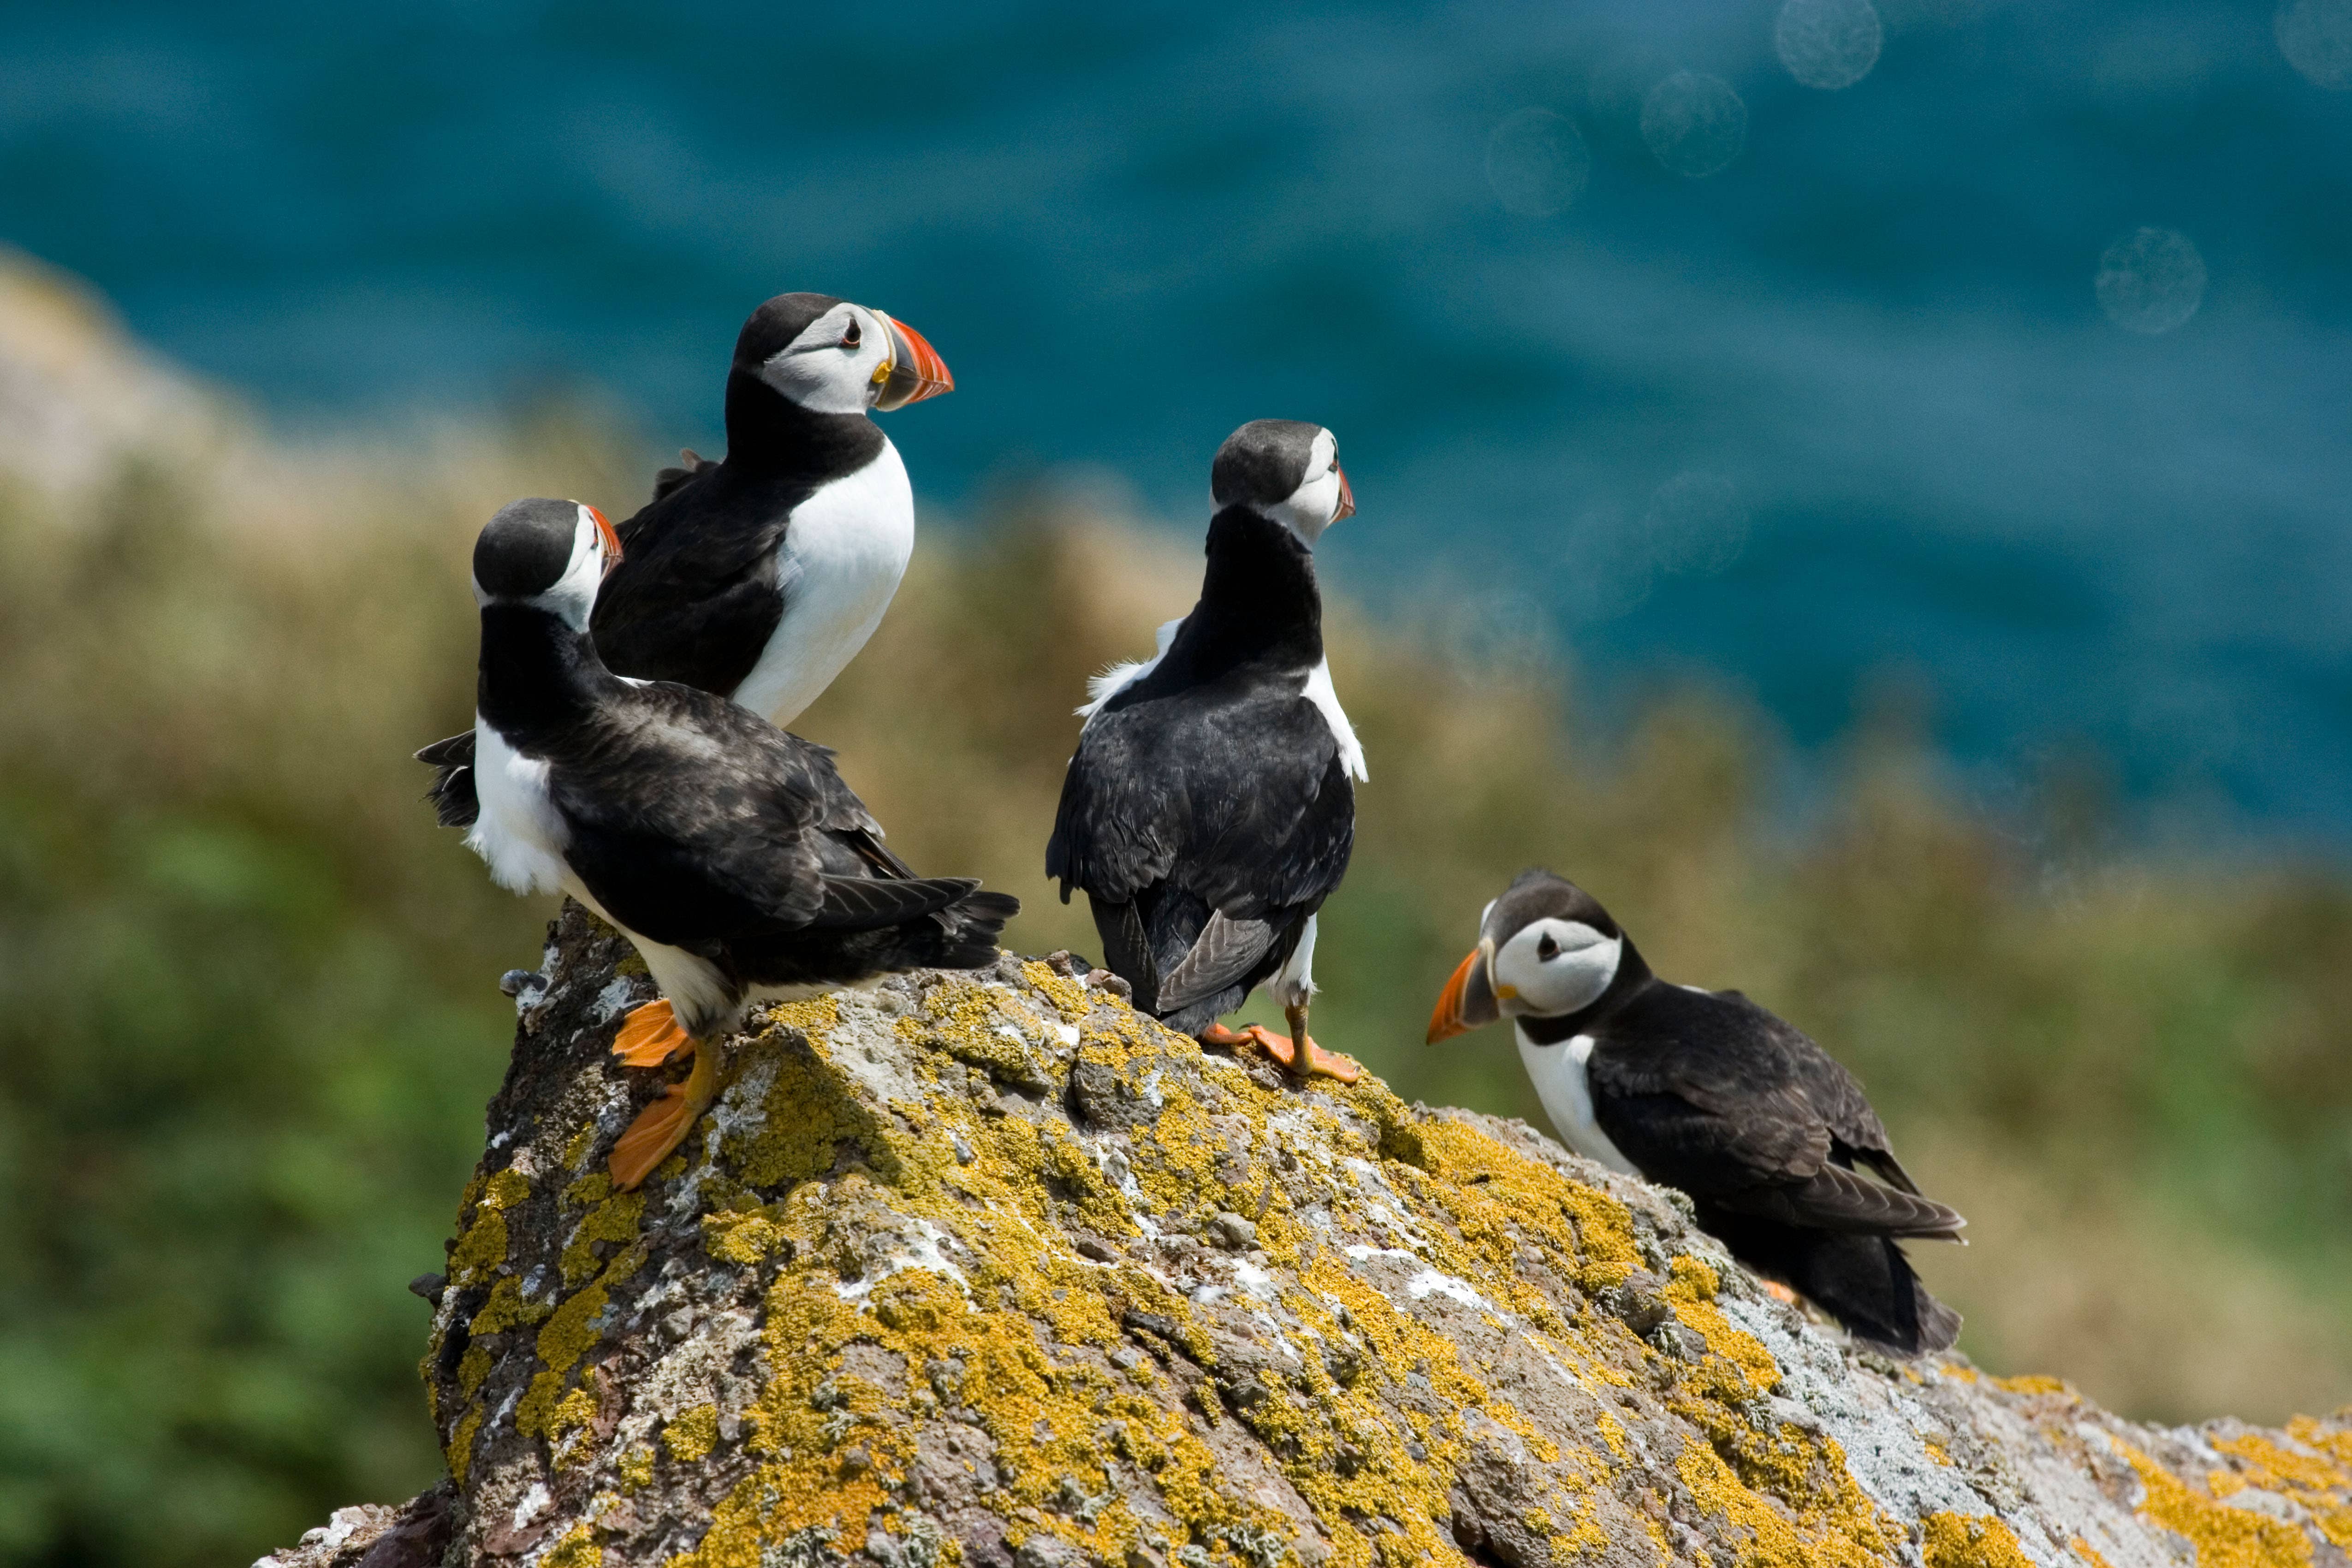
[
  {"x": 1468, "y": 1000},
  {"x": 914, "y": 370},
  {"x": 1346, "y": 507},
  {"x": 611, "y": 540}
]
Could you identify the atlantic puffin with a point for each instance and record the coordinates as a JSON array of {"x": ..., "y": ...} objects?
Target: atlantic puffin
[
  {"x": 730, "y": 853},
  {"x": 1211, "y": 805},
  {"x": 1707, "y": 1091},
  {"x": 759, "y": 576}
]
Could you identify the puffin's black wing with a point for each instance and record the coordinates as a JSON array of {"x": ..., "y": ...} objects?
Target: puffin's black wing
[
  {"x": 1714, "y": 1095},
  {"x": 696, "y": 595},
  {"x": 1245, "y": 803},
  {"x": 695, "y": 823},
  {"x": 452, "y": 789}
]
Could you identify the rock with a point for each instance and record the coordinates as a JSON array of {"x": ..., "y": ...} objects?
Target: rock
[{"x": 1144, "y": 1309}]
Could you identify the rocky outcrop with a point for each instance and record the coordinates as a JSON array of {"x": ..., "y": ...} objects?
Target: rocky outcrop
[{"x": 987, "y": 1268}]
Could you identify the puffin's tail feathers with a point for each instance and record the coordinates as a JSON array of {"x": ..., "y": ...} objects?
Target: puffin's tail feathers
[
  {"x": 1864, "y": 1282},
  {"x": 966, "y": 937},
  {"x": 452, "y": 789}
]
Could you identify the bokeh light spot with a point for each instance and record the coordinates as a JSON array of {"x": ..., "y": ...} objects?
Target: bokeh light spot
[
  {"x": 2151, "y": 280},
  {"x": 1695, "y": 523},
  {"x": 1828, "y": 44},
  {"x": 2315, "y": 37},
  {"x": 1695, "y": 124},
  {"x": 1537, "y": 162}
]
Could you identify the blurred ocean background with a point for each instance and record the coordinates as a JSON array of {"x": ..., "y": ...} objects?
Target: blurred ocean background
[
  {"x": 1840, "y": 422},
  {"x": 1862, "y": 488}
]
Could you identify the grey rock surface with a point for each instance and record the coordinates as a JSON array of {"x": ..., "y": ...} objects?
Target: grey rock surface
[{"x": 989, "y": 1269}]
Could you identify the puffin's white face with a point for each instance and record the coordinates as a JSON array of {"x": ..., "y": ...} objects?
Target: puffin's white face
[
  {"x": 1553, "y": 967},
  {"x": 839, "y": 363},
  {"x": 1321, "y": 498}
]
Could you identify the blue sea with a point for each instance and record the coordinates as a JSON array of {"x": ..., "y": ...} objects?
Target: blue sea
[{"x": 1985, "y": 361}]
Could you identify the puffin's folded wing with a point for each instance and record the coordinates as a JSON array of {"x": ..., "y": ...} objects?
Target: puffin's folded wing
[
  {"x": 1837, "y": 1199},
  {"x": 455, "y": 803},
  {"x": 865, "y": 903},
  {"x": 1120, "y": 818},
  {"x": 1224, "y": 951}
]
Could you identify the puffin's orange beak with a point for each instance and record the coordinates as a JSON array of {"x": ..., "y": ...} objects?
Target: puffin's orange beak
[
  {"x": 1467, "y": 1002},
  {"x": 1347, "y": 497},
  {"x": 915, "y": 370},
  {"x": 611, "y": 540}
]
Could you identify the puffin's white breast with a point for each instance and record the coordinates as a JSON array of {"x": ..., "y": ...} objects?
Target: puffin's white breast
[
  {"x": 838, "y": 566},
  {"x": 1563, "y": 1084},
  {"x": 518, "y": 832},
  {"x": 1326, "y": 698}
]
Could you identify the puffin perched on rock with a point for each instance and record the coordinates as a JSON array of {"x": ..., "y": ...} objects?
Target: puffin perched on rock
[
  {"x": 760, "y": 575},
  {"x": 1209, "y": 808},
  {"x": 729, "y": 851},
  {"x": 1707, "y": 1091}
]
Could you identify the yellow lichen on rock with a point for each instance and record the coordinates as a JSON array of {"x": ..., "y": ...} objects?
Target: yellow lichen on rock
[
  {"x": 2320, "y": 1480},
  {"x": 2224, "y": 1537},
  {"x": 690, "y": 1436},
  {"x": 1969, "y": 1540}
]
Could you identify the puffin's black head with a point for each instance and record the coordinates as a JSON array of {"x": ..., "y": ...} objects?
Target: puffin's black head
[
  {"x": 548, "y": 553},
  {"x": 830, "y": 356},
  {"x": 1545, "y": 949},
  {"x": 1287, "y": 470}
]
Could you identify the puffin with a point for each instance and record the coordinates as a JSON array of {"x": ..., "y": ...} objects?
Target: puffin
[
  {"x": 726, "y": 850},
  {"x": 1707, "y": 1091},
  {"x": 1209, "y": 808},
  {"x": 759, "y": 576}
]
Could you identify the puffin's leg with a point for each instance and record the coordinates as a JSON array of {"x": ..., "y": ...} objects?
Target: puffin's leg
[
  {"x": 663, "y": 1125},
  {"x": 651, "y": 1036},
  {"x": 1217, "y": 1035},
  {"x": 1300, "y": 1054}
]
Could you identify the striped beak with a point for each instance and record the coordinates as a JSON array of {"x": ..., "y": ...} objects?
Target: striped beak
[
  {"x": 914, "y": 370},
  {"x": 611, "y": 540},
  {"x": 1468, "y": 1000}
]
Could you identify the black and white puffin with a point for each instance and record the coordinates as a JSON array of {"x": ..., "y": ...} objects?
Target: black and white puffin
[
  {"x": 1707, "y": 1091},
  {"x": 1209, "y": 808},
  {"x": 760, "y": 575},
  {"x": 729, "y": 851}
]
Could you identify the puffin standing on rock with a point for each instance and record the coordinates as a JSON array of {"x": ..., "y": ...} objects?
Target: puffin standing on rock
[
  {"x": 729, "y": 852},
  {"x": 1209, "y": 810},
  {"x": 1706, "y": 1091},
  {"x": 760, "y": 575}
]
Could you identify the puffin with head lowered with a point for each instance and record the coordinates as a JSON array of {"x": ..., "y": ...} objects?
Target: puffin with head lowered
[
  {"x": 729, "y": 852},
  {"x": 1707, "y": 1091},
  {"x": 1209, "y": 808},
  {"x": 760, "y": 575}
]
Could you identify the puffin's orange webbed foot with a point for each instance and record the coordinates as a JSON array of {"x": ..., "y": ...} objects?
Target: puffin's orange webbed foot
[
  {"x": 663, "y": 1125},
  {"x": 1779, "y": 1291},
  {"x": 650, "y": 1036},
  {"x": 1224, "y": 1039},
  {"x": 1319, "y": 1063}
]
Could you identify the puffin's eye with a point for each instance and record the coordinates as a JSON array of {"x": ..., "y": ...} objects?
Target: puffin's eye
[
  {"x": 850, "y": 336},
  {"x": 1545, "y": 949}
]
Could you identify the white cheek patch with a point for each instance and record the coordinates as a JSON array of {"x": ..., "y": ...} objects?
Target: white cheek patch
[
  {"x": 813, "y": 372},
  {"x": 574, "y": 594},
  {"x": 1572, "y": 979}
]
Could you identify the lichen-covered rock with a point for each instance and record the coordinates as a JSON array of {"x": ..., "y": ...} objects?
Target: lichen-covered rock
[{"x": 987, "y": 1268}]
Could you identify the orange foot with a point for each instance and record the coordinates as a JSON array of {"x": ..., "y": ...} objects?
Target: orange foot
[
  {"x": 1224, "y": 1039},
  {"x": 1320, "y": 1063},
  {"x": 663, "y": 1125},
  {"x": 1779, "y": 1291},
  {"x": 650, "y": 1036}
]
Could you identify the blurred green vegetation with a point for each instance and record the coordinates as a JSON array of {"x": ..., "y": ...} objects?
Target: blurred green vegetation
[{"x": 251, "y": 1018}]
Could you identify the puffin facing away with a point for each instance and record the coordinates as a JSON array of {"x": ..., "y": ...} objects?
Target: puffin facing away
[
  {"x": 729, "y": 851},
  {"x": 760, "y": 575},
  {"x": 1706, "y": 1091},
  {"x": 1210, "y": 809}
]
